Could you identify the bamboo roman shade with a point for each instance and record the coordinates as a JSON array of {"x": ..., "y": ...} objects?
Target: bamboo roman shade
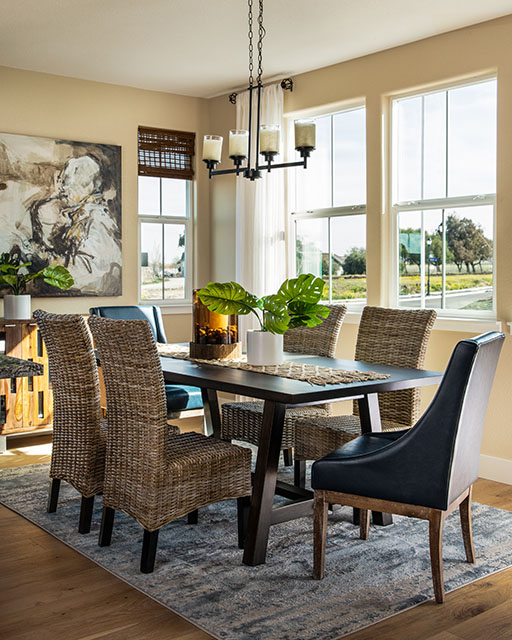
[{"x": 166, "y": 154}]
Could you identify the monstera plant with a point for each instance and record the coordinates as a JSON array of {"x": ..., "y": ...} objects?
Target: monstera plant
[
  {"x": 15, "y": 276},
  {"x": 296, "y": 304}
]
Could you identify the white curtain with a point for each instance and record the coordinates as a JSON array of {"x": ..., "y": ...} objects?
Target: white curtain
[{"x": 260, "y": 211}]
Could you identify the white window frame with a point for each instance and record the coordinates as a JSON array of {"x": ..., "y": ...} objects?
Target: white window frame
[
  {"x": 326, "y": 212},
  {"x": 442, "y": 204},
  {"x": 176, "y": 304}
]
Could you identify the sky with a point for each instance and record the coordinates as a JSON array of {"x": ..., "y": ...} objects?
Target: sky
[{"x": 459, "y": 127}]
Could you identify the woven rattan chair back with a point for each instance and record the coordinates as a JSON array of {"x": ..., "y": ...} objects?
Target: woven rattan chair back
[
  {"x": 78, "y": 449},
  {"x": 396, "y": 337},
  {"x": 136, "y": 411},
  {"x": 320, "y": 340}
]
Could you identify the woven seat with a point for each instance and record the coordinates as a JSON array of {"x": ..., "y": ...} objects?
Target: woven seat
[
  {"x": 396, "y": 337},
  {"x": 242, "y": 420},
  {"x": 78, "y": 453},
  {"x": 152, "y": 476}
]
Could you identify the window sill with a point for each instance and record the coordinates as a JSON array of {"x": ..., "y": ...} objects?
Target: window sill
[
  {"x": 462, "y": 325},
  {"x": 183, "y": 308}
]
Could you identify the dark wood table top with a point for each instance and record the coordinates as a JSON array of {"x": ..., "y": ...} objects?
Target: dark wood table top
[
  {"x": 17, "y": 368},
  {"x": 288, "y": 391}
]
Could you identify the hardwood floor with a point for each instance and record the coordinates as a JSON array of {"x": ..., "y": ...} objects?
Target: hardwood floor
[{"x": 48, "y": 591}]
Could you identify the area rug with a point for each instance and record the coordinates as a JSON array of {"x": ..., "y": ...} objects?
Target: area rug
[{"x": 199, "y": 573}]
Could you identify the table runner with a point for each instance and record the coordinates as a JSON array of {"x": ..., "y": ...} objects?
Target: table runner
[{"x": 294, "y": 370}]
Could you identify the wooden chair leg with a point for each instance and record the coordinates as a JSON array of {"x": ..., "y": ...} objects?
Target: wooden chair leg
[
  {"x": 149, "y": 545},
  {"x": 107, "y": 523},
  {"x": 467, "y": 532},
  {"x": 193, "y": 517},
  {"x": 320, "y": 534},
  {"x": 53, "y": 495},
  {"x": 436, "y": 522},
  {"x": 288, "y": 457},
  {"x": 86, "y": 507},
  {"x": 364, "y": 524},
  {"x": 243, "y": 507},
  {"x": 299, "y": 473}
]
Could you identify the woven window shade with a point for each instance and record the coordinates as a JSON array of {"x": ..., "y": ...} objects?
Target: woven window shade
[{"x": 166, "y": 154}]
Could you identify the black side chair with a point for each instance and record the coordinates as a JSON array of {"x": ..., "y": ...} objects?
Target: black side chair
[
  {"x": 179, "y": 398},
  {"x": 425, "y": 472}
]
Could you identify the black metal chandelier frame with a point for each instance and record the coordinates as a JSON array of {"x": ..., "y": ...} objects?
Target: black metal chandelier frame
[{"x": 249, "y": 171}]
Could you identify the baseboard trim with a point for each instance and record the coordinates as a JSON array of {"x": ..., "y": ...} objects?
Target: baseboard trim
[{"x": 497, "y": 469}]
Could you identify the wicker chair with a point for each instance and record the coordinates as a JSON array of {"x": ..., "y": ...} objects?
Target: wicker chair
[
  {"x": 396, "y": 337},
  {"x": 78, "y": 453},
  {"x": 242, "y": 420},
  {"x": 150, "y": 475}
]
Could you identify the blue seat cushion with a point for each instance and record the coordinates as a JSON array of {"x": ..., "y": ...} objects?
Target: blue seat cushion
[{"x": 181, "y": 398}]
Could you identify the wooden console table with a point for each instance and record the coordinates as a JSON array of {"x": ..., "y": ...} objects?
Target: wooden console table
[{"x": 26, "y": 403}]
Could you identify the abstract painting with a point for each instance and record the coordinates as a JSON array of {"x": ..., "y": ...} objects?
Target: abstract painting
[{"x": 60, "y": 203}]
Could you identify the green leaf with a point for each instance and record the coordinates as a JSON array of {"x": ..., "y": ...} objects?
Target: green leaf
[
  {"x": 307, "y": 315},
  {"x": 276, "y": 318},
  {"x": 9, "y": 280},
  {"x": 11, "y": 268},
  {"x": 57, "y": 276},
  {"x": 227, "y": 298},
  {"x": 306, "y": 288}
]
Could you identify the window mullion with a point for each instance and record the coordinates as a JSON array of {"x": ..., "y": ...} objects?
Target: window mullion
[
  {"x": 422, "y": 262},
  {"x": 443, "y": 249}
]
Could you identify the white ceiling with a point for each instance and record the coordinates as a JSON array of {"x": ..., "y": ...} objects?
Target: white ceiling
[{"x": 199, "y": 47}]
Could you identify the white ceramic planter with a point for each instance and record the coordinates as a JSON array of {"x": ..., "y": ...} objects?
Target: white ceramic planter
[
  {"x": 17, "y": 307},
  {"x": 264, "y": 348}
]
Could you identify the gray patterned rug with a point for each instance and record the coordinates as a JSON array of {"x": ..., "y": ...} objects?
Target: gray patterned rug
[{"x": 199, "y": 574}]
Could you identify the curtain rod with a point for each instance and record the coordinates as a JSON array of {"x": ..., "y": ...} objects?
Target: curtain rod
[{"x": 286, "y": 85}]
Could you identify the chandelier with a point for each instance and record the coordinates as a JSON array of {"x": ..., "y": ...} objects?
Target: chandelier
[{"x": 268, "y": 134}]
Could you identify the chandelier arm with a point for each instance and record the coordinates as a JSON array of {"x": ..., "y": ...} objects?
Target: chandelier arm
[
  {"x": 283, "y": 165},
  {"x": 256, "y": 162},
  {"x": 251, "y": 89}
]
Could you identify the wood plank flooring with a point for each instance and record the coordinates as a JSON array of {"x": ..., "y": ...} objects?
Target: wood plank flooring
[{"x": 48, "y": 591}]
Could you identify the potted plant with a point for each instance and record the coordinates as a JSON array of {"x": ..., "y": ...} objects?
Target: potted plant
[
  {"x": 14, "y": 275},
  {"x": 296, "y": 304}
]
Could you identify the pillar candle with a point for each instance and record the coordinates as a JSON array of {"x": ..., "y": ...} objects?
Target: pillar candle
[
  {"x": 212, "y": 148},
  {"x": 305, "y": 133},
  {"x": 269, "y": 138},
  {"x": 238, "y": 143}
]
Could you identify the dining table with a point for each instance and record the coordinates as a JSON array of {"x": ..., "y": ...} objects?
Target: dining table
[{"x": 279, "y": 393}]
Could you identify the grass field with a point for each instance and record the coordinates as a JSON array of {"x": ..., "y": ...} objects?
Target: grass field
[
  {"x": 352, "y": 287},
  {"x": 454, "y": 282}
]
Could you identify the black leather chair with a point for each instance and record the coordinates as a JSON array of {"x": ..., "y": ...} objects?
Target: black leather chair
[
  {"x": 179, "y": 398},
  {"x": 424, "y": 472}
]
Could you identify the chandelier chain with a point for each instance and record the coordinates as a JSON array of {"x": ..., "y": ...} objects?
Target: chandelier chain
[
  {"x": 261, "y": 35},
  {"x": 251, "y": 48}
]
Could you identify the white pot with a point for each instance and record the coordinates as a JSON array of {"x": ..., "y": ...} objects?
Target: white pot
[
  {"x": 264, "y": 348},
  {"x": 17, "y": 307}
]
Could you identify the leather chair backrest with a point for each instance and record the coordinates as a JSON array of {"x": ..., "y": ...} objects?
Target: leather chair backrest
[
  {"x": 135, "y": 312},
  {"x": 448, "y": 436},
  {"x": 466, "y": 453}
]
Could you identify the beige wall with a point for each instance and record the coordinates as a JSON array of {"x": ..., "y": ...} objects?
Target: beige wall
[
  {"x": 46, "y": 105},
  {"x": 52, "y": 106},
  {"x": 468, "y": 52}
]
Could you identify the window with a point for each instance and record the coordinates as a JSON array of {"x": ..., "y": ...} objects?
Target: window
[
  {"x": 444, "y": 198},
  {"x": 165, "y": 222},
  {"x": 329, "y": 212}
]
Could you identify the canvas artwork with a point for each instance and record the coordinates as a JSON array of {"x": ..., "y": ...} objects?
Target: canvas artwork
[{"x": 60, "y": 203}]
